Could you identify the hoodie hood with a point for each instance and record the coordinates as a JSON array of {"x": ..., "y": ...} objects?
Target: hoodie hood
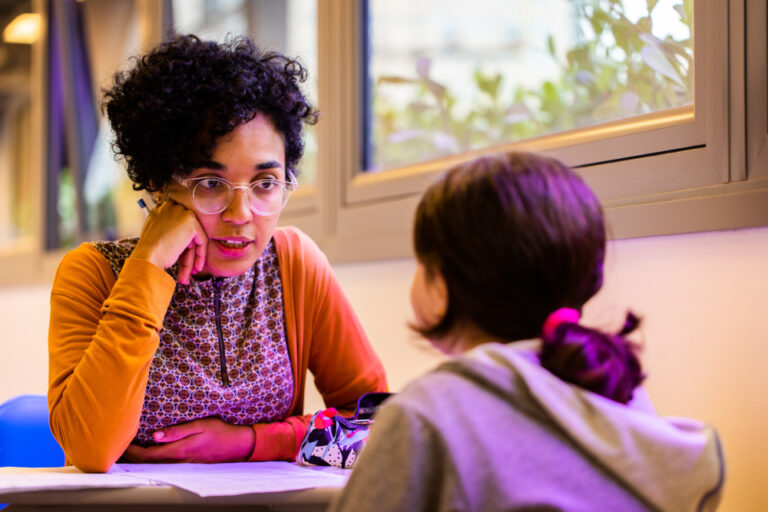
[{"x": 673, "y": 463}]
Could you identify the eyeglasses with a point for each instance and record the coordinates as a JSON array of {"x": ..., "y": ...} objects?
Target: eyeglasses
[{"x": 212, "y": 194}]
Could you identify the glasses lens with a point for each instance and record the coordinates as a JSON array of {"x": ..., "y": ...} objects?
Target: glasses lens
[
  {"x": 211, "y": 195},
  {"x": 267, "y": 196}
]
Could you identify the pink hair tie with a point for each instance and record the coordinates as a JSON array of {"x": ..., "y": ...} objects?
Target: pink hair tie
[{"x": 557, "y": 317}]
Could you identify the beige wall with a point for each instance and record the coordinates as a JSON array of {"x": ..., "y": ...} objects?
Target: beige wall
[{"x": 703, "y": 298}]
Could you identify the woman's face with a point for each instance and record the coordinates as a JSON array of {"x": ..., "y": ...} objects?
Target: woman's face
[{"x": 237, "y": 236}]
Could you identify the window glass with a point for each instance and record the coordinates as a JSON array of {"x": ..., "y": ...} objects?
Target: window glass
[
  {"x": 289, "y": 27},
  {"x": 17, "y": 172},
  {"x": 490, "y": 72}
]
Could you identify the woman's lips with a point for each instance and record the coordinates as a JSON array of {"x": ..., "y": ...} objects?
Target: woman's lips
[{"x": 233, "y": 248}]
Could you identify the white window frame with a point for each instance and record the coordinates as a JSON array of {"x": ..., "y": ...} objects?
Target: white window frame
[{"x": 675, "y": 171}]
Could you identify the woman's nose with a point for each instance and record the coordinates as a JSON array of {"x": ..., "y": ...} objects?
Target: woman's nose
[{"x": 239, "y": 209}]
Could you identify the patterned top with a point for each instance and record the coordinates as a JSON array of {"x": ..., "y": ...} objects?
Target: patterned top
[{"x": 241, "y": 317}]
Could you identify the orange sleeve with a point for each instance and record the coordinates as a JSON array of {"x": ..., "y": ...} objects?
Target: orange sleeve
[
  {"x": 280, "y": 440},
  {"x": 102, "y": 337},
  {"x": 330, "y": 343},
  {"x": 341, "y": 358}
]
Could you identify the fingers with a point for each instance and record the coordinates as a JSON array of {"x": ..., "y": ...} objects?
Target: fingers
[
  {"x": 176, "y": 432},
  {"x": 205, "y": 440},
  {"x": 173, "y": 234},
  {"x": 192, "y": 260},
  {"x": 178, "y": 443},
  {"x": 173, "y": 452},
  {"x": 185, "y": 263},
  {"x": 201, "y": 246}
]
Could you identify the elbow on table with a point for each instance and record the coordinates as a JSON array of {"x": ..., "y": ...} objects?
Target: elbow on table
[
  {"x": 87, "y": 449},
  {"x": 92, "y": 459},
  {"x": 93, "y": 462}
]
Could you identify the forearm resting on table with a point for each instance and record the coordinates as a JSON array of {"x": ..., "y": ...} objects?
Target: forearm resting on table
[{"x": 279, "y": 440}]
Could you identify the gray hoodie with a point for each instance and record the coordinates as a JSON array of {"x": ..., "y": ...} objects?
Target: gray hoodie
[{"x": 493, "y": 430}]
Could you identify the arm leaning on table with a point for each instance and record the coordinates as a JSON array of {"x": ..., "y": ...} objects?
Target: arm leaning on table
[
  {"x": 102, "y": 336},
  {"x": 325, "y": 336}
]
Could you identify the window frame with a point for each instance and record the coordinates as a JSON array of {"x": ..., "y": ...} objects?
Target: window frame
[
  {"x": 674, "y": 171},
  {"x": 754, "y": 47}
]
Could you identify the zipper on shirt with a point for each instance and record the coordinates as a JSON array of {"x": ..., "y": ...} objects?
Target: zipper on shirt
[{"x": 219, "y": 333}]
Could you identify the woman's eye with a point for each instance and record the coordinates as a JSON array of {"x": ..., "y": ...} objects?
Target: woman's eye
[
  {"x": 212, "y": 185},
  {"x": 265, "y": 185}
]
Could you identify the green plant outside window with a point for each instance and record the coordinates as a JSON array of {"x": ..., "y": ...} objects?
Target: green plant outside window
[{"x": 499, "y": 72}]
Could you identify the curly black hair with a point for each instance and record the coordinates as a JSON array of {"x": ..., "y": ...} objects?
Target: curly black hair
[{"x": 168, "y": 110}]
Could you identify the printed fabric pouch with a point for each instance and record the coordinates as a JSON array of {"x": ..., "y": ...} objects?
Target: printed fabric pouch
[{"x": 335, "y": 440}]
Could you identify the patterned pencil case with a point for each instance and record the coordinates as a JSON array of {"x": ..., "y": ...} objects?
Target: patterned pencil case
[{"x": 334, "y": 440}]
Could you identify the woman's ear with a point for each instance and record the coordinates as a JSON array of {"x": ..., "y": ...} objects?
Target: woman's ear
[{"x": 159, "y": 195}]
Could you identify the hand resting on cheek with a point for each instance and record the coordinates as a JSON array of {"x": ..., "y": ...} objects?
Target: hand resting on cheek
[{"x": 173, "y": 234}]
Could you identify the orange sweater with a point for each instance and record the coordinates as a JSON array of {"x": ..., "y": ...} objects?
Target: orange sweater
[{"x": 104, "y": 332}]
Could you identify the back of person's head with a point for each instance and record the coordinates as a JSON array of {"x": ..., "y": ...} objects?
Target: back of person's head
[
  {"x": 170, "y": 108},
  {"x": 516, "y": 237}
]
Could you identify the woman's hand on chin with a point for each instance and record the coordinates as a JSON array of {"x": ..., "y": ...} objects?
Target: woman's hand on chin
[
  {"x": 171, "y": 234},
  {"x": 205, "y": 440}
]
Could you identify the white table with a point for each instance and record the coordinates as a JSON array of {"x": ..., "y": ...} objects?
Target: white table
[{"x": 62, "y": 489}]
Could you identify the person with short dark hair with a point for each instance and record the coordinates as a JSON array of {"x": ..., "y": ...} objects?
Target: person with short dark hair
[
  {"x": 536, "y": 411},
  {"x": 192, "y": 341}
]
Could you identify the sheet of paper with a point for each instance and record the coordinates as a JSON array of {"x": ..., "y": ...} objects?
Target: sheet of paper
[
  {"x": 230, "y": 479},
  {"x": 14, "y": 479}
]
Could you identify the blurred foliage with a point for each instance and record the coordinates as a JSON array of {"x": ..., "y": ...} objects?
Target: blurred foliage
[
  {"x": 66, "y": 208},
  {"x": 619, "y": 70}
]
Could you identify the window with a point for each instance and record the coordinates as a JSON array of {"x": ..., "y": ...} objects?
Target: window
[
  {"x": 18, "y": 184},
  {"x": 492, "y": 72},
  {"x": 756, "y": 117},
  {"x": 667, "y": 169}
]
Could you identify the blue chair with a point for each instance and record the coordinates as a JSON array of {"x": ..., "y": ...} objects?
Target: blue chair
[{"x": 25, "y": 437}]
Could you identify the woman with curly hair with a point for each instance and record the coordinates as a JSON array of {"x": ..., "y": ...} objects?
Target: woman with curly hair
[{"x": 192, "y": 342}]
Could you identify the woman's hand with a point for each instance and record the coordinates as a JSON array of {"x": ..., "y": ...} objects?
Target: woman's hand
[
  {"x": 173, "y": 234},
  {"x": 205, "y": 440}
]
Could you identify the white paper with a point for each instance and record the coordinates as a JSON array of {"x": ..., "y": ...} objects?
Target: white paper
[
  {"x": 14, "y": 479},
  {"x": 231, "y": 479}
]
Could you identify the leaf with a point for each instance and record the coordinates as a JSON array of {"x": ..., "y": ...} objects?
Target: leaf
[
  {"x": 517, "y": 113},
  {"x": 550, "y": 93},
  {"x": 489, "y": 84},
  {"x": 404, "y": 135},
  {"x": 445, "y": 142},
  {"x": 644, "y": 24},
  {"x": 551, "y": 45},
  {"x": 578, "y": 57},
  {"x": 649, "y": 38},
  {"x": 585, "y": 77},
  {"x": 629, "y": 101},
  {"x": 599, "y": 21},
  {"x": 423, "y": 65},
  {"x": 656, "y": 60},
  {"x": 688, "y": 6}
]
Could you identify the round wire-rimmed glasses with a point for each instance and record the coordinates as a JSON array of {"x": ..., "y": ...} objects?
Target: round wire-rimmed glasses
[{"x": 212, "y": 194}]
